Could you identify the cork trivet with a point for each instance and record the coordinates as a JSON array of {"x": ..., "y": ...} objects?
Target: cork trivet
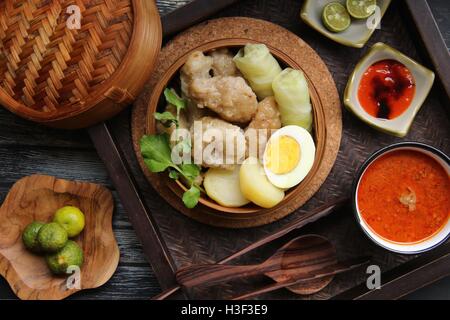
[{"x": 288, "y": 48}]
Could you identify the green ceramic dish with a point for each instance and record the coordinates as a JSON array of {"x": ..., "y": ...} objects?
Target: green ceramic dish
[
  {"x": 355, "y": 36},
  {"x": 424, "y": 79}
]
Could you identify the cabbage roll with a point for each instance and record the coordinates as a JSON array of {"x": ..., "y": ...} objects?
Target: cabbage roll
[
  {"x": 292, "y": 95},
  {"x": 259, "y": 68}
]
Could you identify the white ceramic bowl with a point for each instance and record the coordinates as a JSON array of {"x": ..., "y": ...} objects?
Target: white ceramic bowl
[
  {"x": 424, "y": 79},
  {"x": 404, "y": 248}
]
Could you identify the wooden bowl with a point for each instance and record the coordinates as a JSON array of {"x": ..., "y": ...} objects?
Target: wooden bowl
[
  {"x": 284, "y": 59},
  {"x": 37, "y": 198},
  {"x": 290, "y": 51},
  {"x": 73, "y": 78}
]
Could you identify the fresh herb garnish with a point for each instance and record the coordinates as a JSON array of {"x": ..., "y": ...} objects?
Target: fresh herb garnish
[
  {"x": 156, "y": 152},
  {"x": 174, "y": 175},
  {"x": 173, "y": 98},
  {"x": 157, "y": 156},
  {"x": 166, "y": 118},
  {"x": 190, "y": 170},
  {"x": 190, "y": 197}
]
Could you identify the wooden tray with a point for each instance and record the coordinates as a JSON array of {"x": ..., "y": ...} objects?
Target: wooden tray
[{"x": 171, "y": 240}]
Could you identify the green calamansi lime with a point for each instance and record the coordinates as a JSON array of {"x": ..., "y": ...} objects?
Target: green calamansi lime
[
  {"x": 70, "y": 255},
  {"x": 361, "y": 9},
  {"x": 335, "y": 17},
  {"x": 70, "y": 218},
  {"x": 52, "y": 237},
  {"x": 29, "y": 236}
]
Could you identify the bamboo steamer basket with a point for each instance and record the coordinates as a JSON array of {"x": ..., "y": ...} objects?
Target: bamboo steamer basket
[{"x": 68, "y": 76}]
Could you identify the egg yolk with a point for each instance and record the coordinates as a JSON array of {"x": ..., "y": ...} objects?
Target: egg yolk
[{"x": 282, "y": 155}]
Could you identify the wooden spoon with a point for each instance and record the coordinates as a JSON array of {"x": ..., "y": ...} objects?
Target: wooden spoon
[
  {"x": 299, "y": 257},
  {"x": 304, "y": 219},
  {"x": 297, "y": 281}
]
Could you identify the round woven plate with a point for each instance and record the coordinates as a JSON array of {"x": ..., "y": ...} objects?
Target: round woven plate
[
  {"x": 243, "y": 30},
  {"x": 71, "y": 64}
]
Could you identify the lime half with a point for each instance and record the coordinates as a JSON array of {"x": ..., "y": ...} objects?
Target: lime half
[
  {"x": 361, "y": 9},
  {"x": 335, "y": 17}
]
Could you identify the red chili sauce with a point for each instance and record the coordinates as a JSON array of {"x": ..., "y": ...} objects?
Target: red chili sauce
[
  {"x": 386, "y": 89},
  {"x": 404, "y": 196}
]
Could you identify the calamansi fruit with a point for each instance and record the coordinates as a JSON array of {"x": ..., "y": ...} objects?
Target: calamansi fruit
[
  {"x": 70, "y": 255},
  {"x": 52, "y": 237},
  {"x": 70, "y": 218},
  {"x": 361, "y": 9},
  {"x": 29, "y": 236},
  {"x": 335, "y": 17}
]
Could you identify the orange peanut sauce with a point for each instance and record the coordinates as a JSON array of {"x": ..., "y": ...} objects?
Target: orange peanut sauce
[
  {"x": 386, "y": 89},
  {"x": 404, "y": 196}
]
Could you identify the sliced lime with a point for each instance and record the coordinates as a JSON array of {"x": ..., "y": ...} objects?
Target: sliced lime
[
  {"x": 361, "y": 9},
  {"x": 335, "y": 17}
]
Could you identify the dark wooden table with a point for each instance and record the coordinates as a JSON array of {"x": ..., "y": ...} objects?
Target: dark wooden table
[{"x": 27, "y": 148}]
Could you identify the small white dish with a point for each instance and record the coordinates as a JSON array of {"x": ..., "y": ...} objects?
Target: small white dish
[
  {"x": 423, "y": 77},
  {"x": 355, "y": 36},
  {"x": 404, "y": 248}
]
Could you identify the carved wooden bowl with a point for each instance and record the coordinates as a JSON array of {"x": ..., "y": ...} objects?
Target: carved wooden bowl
[
  {"x": 37, "y": 198},
  {"x": 290, "y": 51},
  {"x": 69, "y": 75}
]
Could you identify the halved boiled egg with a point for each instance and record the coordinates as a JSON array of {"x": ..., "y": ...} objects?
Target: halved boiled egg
[{"x": 289, "y": 156}]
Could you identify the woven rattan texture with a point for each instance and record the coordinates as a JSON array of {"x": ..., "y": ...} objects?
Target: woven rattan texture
[{"x": 49, "y": 67}]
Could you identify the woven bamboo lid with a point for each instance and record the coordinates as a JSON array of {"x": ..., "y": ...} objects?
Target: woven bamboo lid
[{"x": 73, "y": 63}]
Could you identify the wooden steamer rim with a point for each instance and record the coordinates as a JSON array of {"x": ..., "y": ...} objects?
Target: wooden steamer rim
[
  {"x": 52, "y": 60},
  {"x": 288, "y": 48}
]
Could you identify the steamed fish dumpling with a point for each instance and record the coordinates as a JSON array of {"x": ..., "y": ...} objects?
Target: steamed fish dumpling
[
  {"x": 223, "y": 64},
  {"x": 197, "y": 66},
  {"x": 217, "y": 143},
  {"x": 259, "y": 68},
  {"x": 267, "y": 116},
  {"x": 265, "y": 122},
  {"x": 292, "y": 95},
  {"x": 193, "y": 112},
  {"x": 230, "y": 97}
]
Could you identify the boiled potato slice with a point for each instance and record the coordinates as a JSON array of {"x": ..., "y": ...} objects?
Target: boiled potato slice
[
  {"x": 256, "y": 187},
  {"x": 223, "y": 187}
]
